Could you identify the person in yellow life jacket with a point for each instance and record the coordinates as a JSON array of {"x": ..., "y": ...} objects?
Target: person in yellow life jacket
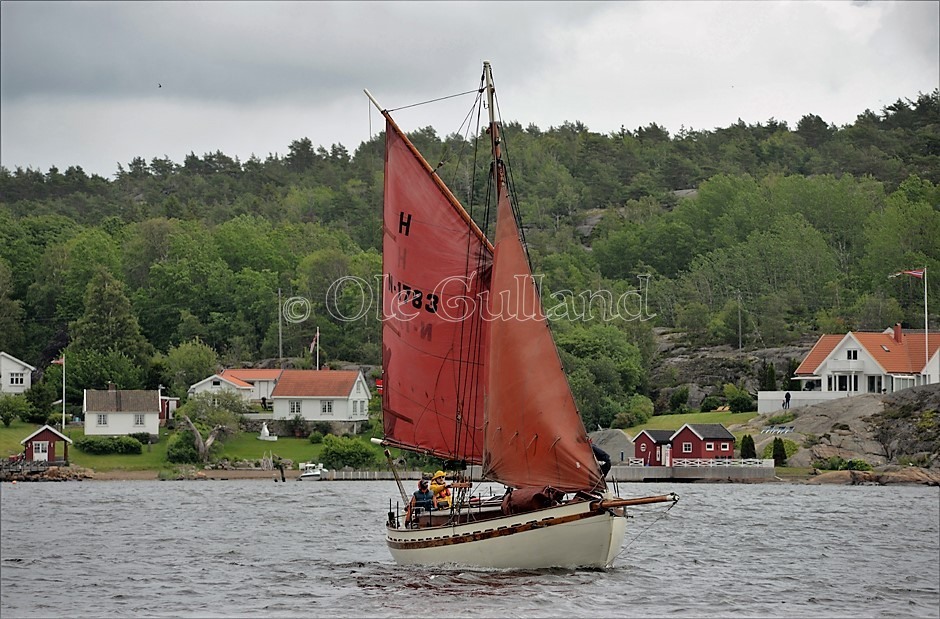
[{"x": 440, "y": 490}]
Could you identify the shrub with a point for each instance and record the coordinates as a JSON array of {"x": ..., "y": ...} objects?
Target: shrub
[
  {"x": 679, "y": 399},
  {"x": 13, "y": 406},
  {"x": 711, "y": 403},
  {"x": 790, "y": 447},
  {"x": 811, "y": 440},
  {"x": 638, "y": 409},
  {"x": 145, "y": 438},
  {"x": 323, "y": 427},
  {"x": 100, "y": 445},
  {"x": 835, "y": 463},
  {"x": 343, "y": 451},
  {"x": 857, "y": 464},
  {"x": 741, "y": 403},
  {"x": 316, "y": 437},
  {"x": 182, "y": 449},
  {"x": 781, "y": 419}
]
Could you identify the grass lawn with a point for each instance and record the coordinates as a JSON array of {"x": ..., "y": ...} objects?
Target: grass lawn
[
  {"x": 674, "y": 422},
  {"x": 245, "y": 446}
]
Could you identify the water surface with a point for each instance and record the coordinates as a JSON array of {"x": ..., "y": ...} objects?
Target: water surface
[{"x": 253, "y": 548}]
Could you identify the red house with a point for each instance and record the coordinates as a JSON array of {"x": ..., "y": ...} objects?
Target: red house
[
  {"x": 653, "y": 447},
  {"x": 703, "y": 440},
  {"x": 40, "y": 445}
]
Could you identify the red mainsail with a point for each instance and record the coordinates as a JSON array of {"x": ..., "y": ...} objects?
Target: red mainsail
[
  {"x": 435, "y": 264},
  {"x": 533, "y": 433}
]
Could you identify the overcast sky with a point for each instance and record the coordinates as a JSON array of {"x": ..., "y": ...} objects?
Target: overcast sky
[{"x": 80, "y": 80}]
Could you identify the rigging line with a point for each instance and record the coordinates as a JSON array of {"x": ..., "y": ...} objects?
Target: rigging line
[
  {"x": 459, "y": 94},
  {"x": 469, "y": 370},
  {"x": 648, "y": 527}
]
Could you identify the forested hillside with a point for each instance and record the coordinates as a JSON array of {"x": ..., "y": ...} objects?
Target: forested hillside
[{"x": 169, "y": 268}]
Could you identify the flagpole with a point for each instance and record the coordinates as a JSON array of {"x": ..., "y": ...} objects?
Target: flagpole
[
  {"x": 318, "y": 347},
  {"x": 63, "y": 391},
  {"x": 926, "y": 339}
]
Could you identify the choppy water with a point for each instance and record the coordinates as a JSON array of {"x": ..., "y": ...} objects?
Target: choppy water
[{"x": 255, "y": 548}]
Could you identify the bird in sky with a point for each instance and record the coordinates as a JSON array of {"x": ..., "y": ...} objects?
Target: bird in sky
[{"x": 159, "y": 85}]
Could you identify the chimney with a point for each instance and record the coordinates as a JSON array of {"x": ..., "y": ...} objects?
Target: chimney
[
  {"x": 111, "y": 386},
  {"x": 897, "y": 333}
]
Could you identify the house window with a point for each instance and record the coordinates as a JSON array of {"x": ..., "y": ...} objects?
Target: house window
[
  {"x": 17, "y": 378},
  {"x": 726, "y": 446},
  {"x": 709, "y": 447},
  {"x": 102, "y": 420},
  {"x": 851, "y": 354},
  {"x": 659, "y": 453},
  {"x": 326, "y": 407},
  {"x": 216, "y": 383},
  {"x": 643, "y": 447},
  {"x": 40, "y": 447},
  {"x": 138, "y": 420},
  {"x": 355, "y": 407},
  {"x": 358, "y": 387},
  {"x": 686, "y": 448},
  {"x": 294, "y": 408}
]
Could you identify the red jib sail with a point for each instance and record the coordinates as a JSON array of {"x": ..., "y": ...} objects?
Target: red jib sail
[
  {"x": 533, "y": 433},
  {"x": 435, "y": 260}
]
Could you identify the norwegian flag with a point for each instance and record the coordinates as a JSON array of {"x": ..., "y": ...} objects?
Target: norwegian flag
[
  {"x": 60, "y": 361},
  {"x": 313, "y": 343},
  {"x": 918, "y": 273}
]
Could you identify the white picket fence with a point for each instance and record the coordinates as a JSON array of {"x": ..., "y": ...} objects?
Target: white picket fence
[{"x": 714, "y": 462}]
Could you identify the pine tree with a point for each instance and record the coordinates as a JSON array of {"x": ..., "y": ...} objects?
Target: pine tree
[
  {"x": 747, "y": 447},
  {"x": 780, "y": 452}
]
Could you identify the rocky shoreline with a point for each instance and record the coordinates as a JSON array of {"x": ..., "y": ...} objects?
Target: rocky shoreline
[{"x": 882, "y": 476}]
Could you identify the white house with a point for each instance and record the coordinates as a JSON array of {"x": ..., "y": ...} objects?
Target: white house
[
  {"x": 15, "y": 375},
  {"x": 339, "y": 396},
  {"x": 118, "y": 411},
  {"x": 218, "y": 383},
  {"x": 861, "y": 362},
  {"x": 253, "y": 385}
]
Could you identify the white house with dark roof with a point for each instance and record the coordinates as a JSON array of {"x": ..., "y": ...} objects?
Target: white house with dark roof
[
  {"x": 121, "y": 411},
  {"x": 15, "y": 375}
]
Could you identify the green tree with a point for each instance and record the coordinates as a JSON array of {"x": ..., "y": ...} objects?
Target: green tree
[
  {"x": 13, "y": 406},
  {"x": 187, "y": 364},
  {"x": 108, "y": 322},
  {"x": 779, "y": 452},
  {"x": 215, "y": 415},
  {"x": 747, "y": 447}
]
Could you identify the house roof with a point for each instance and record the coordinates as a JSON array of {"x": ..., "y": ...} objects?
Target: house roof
[
  {"x": 659, "y": 437},
  {"x": 122, "y": 401},
  {"x": 19, "y": 361},
  {"x": 249, "y": 374},
  {"x": 235, "y": 382},
  {"x": 41, "y": 430},
  {"x": 315, "y": 383},
  {"x": 707, "y": 431},
  {"x": 904, "y": 357},
  {"x": 824, "y": 345}
]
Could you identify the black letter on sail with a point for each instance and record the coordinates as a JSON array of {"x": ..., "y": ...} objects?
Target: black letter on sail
[{"x": 404, "y": 224}]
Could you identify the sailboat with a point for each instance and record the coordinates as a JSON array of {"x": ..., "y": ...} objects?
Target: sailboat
[{"x": 471, "y": 375}]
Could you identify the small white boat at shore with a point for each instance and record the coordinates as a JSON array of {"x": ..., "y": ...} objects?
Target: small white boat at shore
[{"x": 310, "y": 471}]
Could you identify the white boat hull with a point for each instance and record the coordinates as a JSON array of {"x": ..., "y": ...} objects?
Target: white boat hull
[{"x": 568, "y": 536}]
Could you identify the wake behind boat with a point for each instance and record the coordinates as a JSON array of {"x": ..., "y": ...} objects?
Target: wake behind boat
[{"x": 471, "y": 375}]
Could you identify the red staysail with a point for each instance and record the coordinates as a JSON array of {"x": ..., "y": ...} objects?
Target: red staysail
[
  {"x": 533, "y": 434},
  {"x": 435, "y": 261}
]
